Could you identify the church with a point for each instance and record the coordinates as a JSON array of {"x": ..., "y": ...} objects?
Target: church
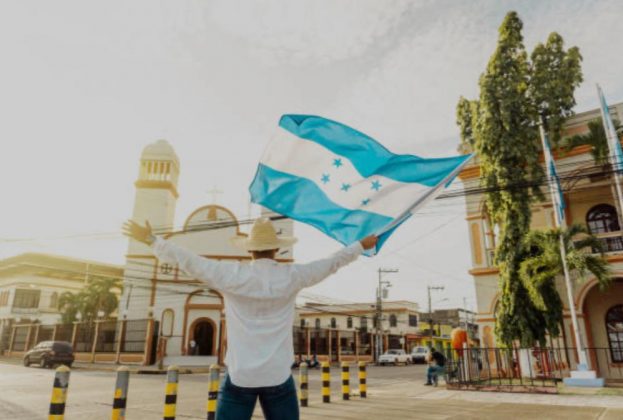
[{"x": 187, "y": 319}]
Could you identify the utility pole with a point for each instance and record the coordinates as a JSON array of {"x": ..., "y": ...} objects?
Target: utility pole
[
  {"x": 379, "y": 309},
  {"x": 430, "y": 311}
]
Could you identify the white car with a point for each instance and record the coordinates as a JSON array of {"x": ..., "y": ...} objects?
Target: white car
[
  {"x": 418, "y": 354},
  {"x": 394, "y": 357}
]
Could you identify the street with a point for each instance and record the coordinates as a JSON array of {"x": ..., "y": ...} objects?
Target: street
[{"x": 393, "y": 393}]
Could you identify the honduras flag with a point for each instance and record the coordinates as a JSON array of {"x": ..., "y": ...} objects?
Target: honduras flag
[
  {"x": 614, "y": 144},
  {"x": 342, "y": 182},
  {"x": 558, "y": 200}
]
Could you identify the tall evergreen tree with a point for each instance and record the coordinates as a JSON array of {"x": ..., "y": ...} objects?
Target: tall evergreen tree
[{"x": 502, "y": 128}]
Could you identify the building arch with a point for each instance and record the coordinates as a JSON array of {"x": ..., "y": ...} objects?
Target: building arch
[
  {"x": 205, "y": 327},
  {"x": 167, "y": 322},
  {"x": 188, "y": 306}
]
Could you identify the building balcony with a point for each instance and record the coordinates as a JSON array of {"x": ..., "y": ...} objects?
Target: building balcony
[
  {"x": 24, "y": 311},
  {"x": 611, "y": 241}
]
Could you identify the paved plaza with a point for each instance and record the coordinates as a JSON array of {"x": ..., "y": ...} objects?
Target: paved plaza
[{"x": 393, "y": 393}]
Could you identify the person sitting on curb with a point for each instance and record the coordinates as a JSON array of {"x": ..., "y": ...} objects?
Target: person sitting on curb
[
  {"x": 259, "y": 303},
  {"x": 436, "y": 366}
]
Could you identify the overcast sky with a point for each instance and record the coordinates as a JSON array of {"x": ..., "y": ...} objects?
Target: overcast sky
[{"x": 84, "y": 86}]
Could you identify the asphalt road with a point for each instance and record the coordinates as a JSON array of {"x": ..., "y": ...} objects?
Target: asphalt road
[
  {"x": 25, "y": 392},
  {"x": 393, "y": 393}
]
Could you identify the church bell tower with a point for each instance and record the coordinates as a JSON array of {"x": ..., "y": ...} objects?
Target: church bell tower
[{"x": 154, "y": 200}]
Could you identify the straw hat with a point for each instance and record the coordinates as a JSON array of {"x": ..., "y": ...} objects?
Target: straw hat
[{"x": 262, "y": 237}]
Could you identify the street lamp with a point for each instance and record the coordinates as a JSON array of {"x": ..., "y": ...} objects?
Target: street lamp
[{"x": 381, "y": 293}]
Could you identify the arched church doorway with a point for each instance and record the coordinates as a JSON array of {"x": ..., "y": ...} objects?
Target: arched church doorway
[{"x": 203, "y": 333}]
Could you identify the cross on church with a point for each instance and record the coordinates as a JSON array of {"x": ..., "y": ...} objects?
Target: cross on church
[{"x": 214, "y": 192}]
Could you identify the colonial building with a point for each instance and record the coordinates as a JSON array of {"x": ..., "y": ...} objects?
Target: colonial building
[
  {"x": 31, "y": 285},
  {"x": 589, "y": 195},
  {"x": 352, "y": 325},
  {"x": 182, "y": 309}
]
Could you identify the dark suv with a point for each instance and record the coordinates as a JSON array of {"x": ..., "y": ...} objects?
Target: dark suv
[{"x": 50, "y": 353}]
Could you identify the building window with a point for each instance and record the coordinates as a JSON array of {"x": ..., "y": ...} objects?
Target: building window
[
  {"x": 363, "y": 323},
  {"x": 167, "y": 322},
  {"x": 393, "y": 321},
  {"x": 333, "y": 323},
  {"x": 318, "y": 323},
  {"x": 349, "y": 322},
  {"x": 413, "y": 320},
  {"x": 302, "y": 323},
  {"x": 614, "y": 327},
  {"x": 54, "y": 300},
  {"x": 603, "y": 219},
  {"x": 26, "y": 298}
]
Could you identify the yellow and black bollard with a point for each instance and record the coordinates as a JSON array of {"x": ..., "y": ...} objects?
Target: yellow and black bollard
[
  {"x": 345, "y": 381},
  {"x": 304, "y": 380},
  {"x": 215, "y": 371},
  {"x": 121, "y": 393},
  {"x": 170, "y": 398},
  {"x": 363, "y": 387},
  {"x": 59, "y": 393},
  {"x": 326, "y": 382}
]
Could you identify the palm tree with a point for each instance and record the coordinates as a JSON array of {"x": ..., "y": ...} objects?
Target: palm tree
[
  {"x": 596, "y": 137},
  {"x": 543, "y": 263},
  {"x": 97, "y": 296},
  {"x": 70, "y": 304}
]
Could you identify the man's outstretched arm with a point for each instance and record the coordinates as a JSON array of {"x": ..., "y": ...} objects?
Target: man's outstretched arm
[
  {"x": 307, "y": 275},
  {"x": 215, "y": 274}
]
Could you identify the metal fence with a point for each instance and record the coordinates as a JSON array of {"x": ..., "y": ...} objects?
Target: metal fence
[
  {"x": 86, "y": 337},
  {"x": 523, "y": 369}
]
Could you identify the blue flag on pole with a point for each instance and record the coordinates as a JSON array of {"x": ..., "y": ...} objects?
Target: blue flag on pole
[
  {"x": 614, "y": 145},
  {"x": 343, "y": 182},
  {"x": 554, "y": 181}
]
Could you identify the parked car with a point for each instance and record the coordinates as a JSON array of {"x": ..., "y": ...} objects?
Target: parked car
[
  {"x": 50, "y": 353},
  {"x": 394, "y": 357},
  {"x": 418, "y": 354}
]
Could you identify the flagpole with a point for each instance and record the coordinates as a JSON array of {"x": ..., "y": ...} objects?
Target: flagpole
[
  {"x": 563, "y": 254},
  {"x": 612, "y": 147}
]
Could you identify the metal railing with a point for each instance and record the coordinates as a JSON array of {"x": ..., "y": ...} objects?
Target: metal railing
[{"x": 538, "y": 369}]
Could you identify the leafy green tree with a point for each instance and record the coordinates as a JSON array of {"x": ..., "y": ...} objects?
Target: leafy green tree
[
  {"x": 97, "y": 296},
  {"x": 502, "y": 128},
  {"x": 542, "y": 263}
]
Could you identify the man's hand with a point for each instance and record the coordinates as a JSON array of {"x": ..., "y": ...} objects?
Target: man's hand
[
  {"x": 140, "y": 233},
  {"x": 369, "y": 242}
]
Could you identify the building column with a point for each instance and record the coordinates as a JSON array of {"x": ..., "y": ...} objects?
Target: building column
[
  {"x": 11, "y": 339},
  {"x": 54, "y": 332},
  {"x": 148, "y": 341},
  {"x": 339, "y": 346},
  {"x": 120, "y": 340},
  {"x": 356, "y": 345},
  {"x": 94, "y": 343},
  {"x": 308, "y": 342},
  {"x": 27, "y": 342},
  {"x": 74, "y": 336},
  {"x": 35, "y": 341}
]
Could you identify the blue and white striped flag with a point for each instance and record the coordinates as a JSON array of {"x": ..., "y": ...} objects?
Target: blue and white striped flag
[
  {"x": 342, "y": 182},
  {"x": 558, "y": 200},
  {"x": 614, "y": 145}
]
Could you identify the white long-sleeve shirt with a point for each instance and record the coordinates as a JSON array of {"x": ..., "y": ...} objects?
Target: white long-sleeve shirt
[{"x": 259, "y": 306}]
